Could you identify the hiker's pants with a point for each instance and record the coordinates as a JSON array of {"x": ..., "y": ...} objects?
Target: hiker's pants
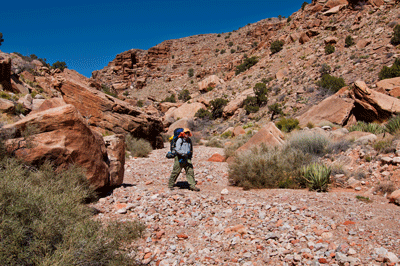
[{"x": 176, "y": 170}]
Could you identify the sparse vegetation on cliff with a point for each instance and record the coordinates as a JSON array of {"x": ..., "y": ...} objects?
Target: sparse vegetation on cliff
[
  {"x": 247, "y": 63},
  {"x": 276, "y": 46},
  {"x": 390, "y": 72}
]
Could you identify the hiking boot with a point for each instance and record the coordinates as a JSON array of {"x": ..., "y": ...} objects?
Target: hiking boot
[{"x": 194, "y": 189}]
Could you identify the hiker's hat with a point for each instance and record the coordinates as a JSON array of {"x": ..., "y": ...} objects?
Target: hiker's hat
[{"x": 186, "y": 130}]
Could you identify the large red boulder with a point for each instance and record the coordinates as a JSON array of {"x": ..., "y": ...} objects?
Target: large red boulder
[
  {"x": 59, "y": 135},
  {"x": 270, "y": 135}
]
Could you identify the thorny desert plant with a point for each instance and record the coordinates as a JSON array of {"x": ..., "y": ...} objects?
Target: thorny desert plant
[
  {"x": 310, "y": 143},
  {"x": 44, "y": 220},
  {"x": 137, "y": 147},
  {"x": 263, "y": 167},
  {"x": 316, "y": 176}
]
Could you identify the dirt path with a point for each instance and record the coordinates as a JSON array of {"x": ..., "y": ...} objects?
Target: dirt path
[{"x": 256, "y": 227}]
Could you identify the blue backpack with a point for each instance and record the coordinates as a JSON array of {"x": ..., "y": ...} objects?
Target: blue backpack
[{"x": 173, "y": 139}]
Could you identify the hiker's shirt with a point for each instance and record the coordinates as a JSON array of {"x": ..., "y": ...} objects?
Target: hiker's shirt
[{"x": 183, "y": 146}]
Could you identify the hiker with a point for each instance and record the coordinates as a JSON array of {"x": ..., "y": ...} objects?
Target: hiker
[{"x": 183, "y": 159}]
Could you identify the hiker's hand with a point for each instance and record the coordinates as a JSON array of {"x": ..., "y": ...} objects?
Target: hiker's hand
[{"x": 189, "y": 155}]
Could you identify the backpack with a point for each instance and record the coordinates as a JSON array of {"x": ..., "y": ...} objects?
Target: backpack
[{"x": 173, "y": 139}]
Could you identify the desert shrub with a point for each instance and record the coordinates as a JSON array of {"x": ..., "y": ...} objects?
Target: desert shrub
[
  {"x": 325, "y": 69},
  {"x": 287, "y": 124},
  {"x": 390, "y": 72},
  {"x": 247, "y": 63},
  {"x": 170, "y": 99},
  {"x": 108, "y": 91},
  {"x": 250, "y": 105},
  {"x": 264, "y": 167},
  {"x": 215, "y": 142},
  {"x": 393, "y": 125},
  {"x": 349, "y": 41},
  {"x": 236, "y": 143},
  {"x": 44, "y": 220},
  {"x": 310, "y": 125},
  {"x": 261, "y": 92},
  {"x": 309, "y": 143},
  {"x": 191, "y": 72},
  {"x": 222, "y": 51},
  {"x": 395, "y": 40},
  {"x": 316, "y": 176},
  {"x": 362, "y": 198},
  {"x": 339, "y": 146},
  {"x": 203, "y": 113},
  {"x": 275, "y": 109},
  {"x": 303, "y": 5},
  {"x": 217, "y": 107},
  {"x": 384, "y": 146},
  {"x": 276, "y": 46},
  {"x": 5, "y": 95},
  {"x": 331, "y": 83},
  {"x": 137, "y": 147},
  {"x": 288, "y": 19},
  {"x": 139, "y": 103},
  {"x": 230, "y": 44},
  {"x": 19, "y": 109},
  {"x": 373, "y": 128},
  {"x": 184, "y": 95},
  {"x": 227, "y": 134},
  {"x": 60, "y": 65},
  {"x": 385, "y": 188},
  {"x": 329, "y": 49},
  {"x": 233, "y": 51}
]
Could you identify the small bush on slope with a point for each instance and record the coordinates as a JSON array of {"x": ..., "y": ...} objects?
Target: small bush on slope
[{"x": 137, "y": 147}]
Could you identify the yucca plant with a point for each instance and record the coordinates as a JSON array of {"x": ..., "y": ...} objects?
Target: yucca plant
[
  {"x": 393, "y": 125},
  {"x": 316, "y": 176}
]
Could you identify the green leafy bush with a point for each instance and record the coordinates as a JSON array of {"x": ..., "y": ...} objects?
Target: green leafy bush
[
  {"x": 184, "y": 95},
  {"x": 287, "y": 124},
  {"x": 60, "y": 65},
  {"x": 137, "y": 147},
  {"x": 395, "y": 40},
  {"x": 230, "y": 44},
  {"x": 390, "y": 72},
  {"x": 362, "y": 126},
  {"x": 264, "y": 167},
  {"x": 247, "y": 63},
  {"x": 276, "y": 46},
  {"x": 303, "y": 5},
  {"x": 331, "y": 83},
  {"x": 275, "y": 109},
  {"x": 44, "y": 220},
  {"x": 349, "y": 41},
  {"x": 170, "y": 99},
  {"x": 261, "y": 92},
  {"x": 251, "y": 105},
  {"x": 316, "y": 176},
  {"x": 203, "y": 113},
  {"x": 217, "y": 107},
  {"x": 310, "y": 143},
  {"x": 329, "y": 49},
  {"x": 191, "y": 72}
]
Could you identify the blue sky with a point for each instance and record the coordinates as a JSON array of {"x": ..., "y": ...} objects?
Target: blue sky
[{"x": 89, "y": 34}]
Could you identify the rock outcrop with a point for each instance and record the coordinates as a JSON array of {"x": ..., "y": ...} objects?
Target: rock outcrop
[
  {"x": 269, "y": 135},
  {"x": 60, "y": 135}
]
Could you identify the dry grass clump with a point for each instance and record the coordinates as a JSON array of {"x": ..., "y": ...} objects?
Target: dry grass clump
[
  {"x": 308, "y": 142},
  {"x": 385, "y": 188},
  {"x": 45, "y": 221},
  {"x": 230, "y": 150},
  {"x": 137, "y": 147}
]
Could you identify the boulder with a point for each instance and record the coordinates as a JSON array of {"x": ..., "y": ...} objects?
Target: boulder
[
  {"x": 303, "y": 38},
  {"x": 211, "y": 81},
  {"x": 282, "y": 73},
  {"x": 36, "y": 103},
  {"x": 187, "y": 110},
  {"x": 61, "y": 136},
  {"x": 237, "y": 103},
  {"x": 6, "y": 106},
  {"x": 115, "y": 145},
  {"x": 165, "y": 106},
  {"x": 26, "y": 101},
  {"x": 394, "y": 197},
  {"x": 269, "y": 135},
  {"x": 216, "y": 157},
  {"x": 389, "y": 84},
  {"x": 359, "y": 137},
  {"x": 371, "y": 105},
  {"x": 334, "y": 10},
  {"x": 111, "y": 114},
  {"x": 331, "y": 40},
  {"x": 335, "y": 109},
  {"x": 182, "y": 123},
  {"x": 50, "y": 103},
  {"x": 332, "y": 3},
  {"x": 238, "y": 131},
  {"x": 363, "y": 43}
]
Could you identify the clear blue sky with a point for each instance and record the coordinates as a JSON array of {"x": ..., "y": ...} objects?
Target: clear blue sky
[{"x": 89, "y": 34}]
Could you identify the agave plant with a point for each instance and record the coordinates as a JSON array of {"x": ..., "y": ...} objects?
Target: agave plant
[{"x": 317, "y": 176}]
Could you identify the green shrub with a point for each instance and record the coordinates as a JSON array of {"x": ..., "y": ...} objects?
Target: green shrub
[
  {"x": 264, "y": 167},
  {"x": 184, "y": 95},
  {"x": 373, "y": 128},
  {"x": 247, "y": 63},
  {"x": 227, "y": 134},
  {"x": 191, "y": 72},
  {"x": 303, "y": 5},
  {"x": 137, "y": 147},
  {"x": 5, "y": 95},
  {"x": 170, "y": 99},
  {"x": 44, "y": 220},
  {"x": 393, "y": 125},
  {"x": 287, "y": 124},
  {"x": 203, "y": 113},
  {"x": 364, "y": 199},
  {"x": 310, "y": 125},
  {"x": 214, "y": 142},
  {"x": 251, "y": 105},
  {"x": 217, "y": 107},
  {"x": 59, "y": 65},
  {"x": 309, "y": 143},
  {"x": 139, "y": 103},
  {"x": 316, "y": 176},
  {"x": 289, "y": 19},
  {"x": 395, "y": 40},
  {"x": 19, "y": 109},
  {"x": 349, "y": 41},
  {"x": 276, "y": 46},
  {"x": 222, "y": 51},
  {"x": 230, "y": 44},
  {"x": 275, "y": 109},
  {"x": 261, "y": 92},
  {"x": 384, "y": 146},
  {"x": 108, "y": 91},
  {"x": 331, "y": 83},
  {"x": 233, "y": 51},
  {"x": 390, "y": 72},
  {"x": 329, "y": 49}
]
